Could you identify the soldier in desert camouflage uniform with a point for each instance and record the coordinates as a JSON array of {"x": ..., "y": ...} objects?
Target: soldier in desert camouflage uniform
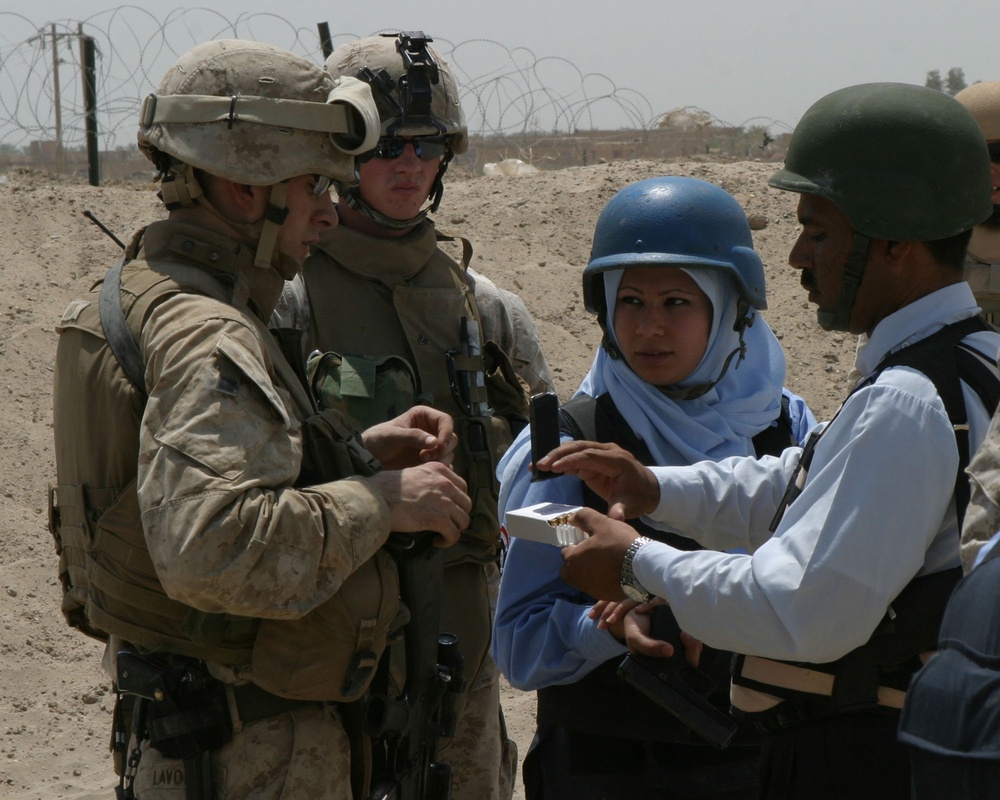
[
  {"x": 381, "y": 285},
  {"x": 982, "y": 259},
  {"x": 201, "y": 532},
  {"x": 982, "y": 271}
]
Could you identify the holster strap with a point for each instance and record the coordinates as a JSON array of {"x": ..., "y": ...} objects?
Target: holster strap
[
  {"x": 800, "y": 679},
  {"x": 254, "y": 703}
]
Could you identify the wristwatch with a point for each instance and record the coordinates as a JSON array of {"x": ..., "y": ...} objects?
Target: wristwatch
[{"x": 630, "y": 584}]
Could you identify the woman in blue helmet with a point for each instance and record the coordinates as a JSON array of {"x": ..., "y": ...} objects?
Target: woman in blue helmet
[{"x": 687, "y": 372}]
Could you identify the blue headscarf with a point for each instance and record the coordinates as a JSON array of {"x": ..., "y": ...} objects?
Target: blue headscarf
[{"x": 719, "y": 423}]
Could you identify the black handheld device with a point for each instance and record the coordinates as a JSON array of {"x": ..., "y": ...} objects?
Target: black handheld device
[{"x": 544, "y": 418}]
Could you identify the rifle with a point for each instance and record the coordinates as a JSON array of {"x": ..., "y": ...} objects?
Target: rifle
[{"x": 405, "y": 729}]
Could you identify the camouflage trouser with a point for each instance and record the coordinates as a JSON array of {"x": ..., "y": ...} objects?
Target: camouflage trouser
[
  {"x": 299, "y": 754},
  {"x": 482, "y": 757}
]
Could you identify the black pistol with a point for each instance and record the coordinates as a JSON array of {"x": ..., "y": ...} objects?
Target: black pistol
[{"x": 679, "y": 688}]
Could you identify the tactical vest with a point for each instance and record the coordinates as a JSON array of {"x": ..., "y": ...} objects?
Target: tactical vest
[
  {"x": 110, "y": 584},
  {"x": 601, "y": 702},
  {"x": 777, "y": 694},
  {"x": 428, "y": 317},
  {"x": 950, "y": 707}
]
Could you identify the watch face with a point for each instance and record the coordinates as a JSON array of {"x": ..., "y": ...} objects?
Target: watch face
[{"x": 635, "y": 594}]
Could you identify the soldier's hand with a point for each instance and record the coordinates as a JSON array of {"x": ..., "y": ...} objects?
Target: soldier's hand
[
  {"x": 611, "y": 471},
  {"x": 418, "y": 436},
  {"x": 428, "y": 497}
]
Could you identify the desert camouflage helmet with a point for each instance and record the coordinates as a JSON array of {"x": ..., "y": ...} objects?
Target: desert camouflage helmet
[
  {"x": 413, "y": 86},
  {"x": 983, "y": 101},
  {"x": 257, "y": 114}
]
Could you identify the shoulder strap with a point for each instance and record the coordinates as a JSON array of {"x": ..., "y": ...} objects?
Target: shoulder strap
[
  {"x": 576, "y": 418},
  {"x": 947, "y": 363},
  {"x": 442, "y": 236},
  {"x": 775, "y": 438},
  {"x": 597, "y": 419},
  {"x": 113, "y": 319},
  {"x": 585, "y": 418},
  {"x": 120, "y": 338},
  {"x": 978, "y": 376}
]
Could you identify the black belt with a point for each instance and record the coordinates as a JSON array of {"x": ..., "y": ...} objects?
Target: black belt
[{"x": 254, "y": 703}]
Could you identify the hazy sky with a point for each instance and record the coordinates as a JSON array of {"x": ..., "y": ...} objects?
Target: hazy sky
[{"x": 736, "y": 59}]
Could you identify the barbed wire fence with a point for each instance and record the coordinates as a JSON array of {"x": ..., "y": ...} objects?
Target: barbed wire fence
[{"x": 541, "y": 109}]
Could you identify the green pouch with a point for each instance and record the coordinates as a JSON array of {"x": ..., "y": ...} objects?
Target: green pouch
[{"x": 365, "y": 389}]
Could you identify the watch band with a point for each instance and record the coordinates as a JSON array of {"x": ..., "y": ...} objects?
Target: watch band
[{"x": 630, "y": 584}]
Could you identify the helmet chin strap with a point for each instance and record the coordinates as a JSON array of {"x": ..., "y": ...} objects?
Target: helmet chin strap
[
  {"x": 744, "y": 319},
  {"x": 352, "y": 196},
  {"x": 268, "y": 254},
  {"x": 180, "y": 188},
  {"x": 840, "y": 319}
]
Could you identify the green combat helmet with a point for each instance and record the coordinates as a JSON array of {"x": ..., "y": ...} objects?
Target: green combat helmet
[
  {"x": 902, "y": 162},
  {"x": 254, "y": 114},
  {"x": 417, "y": 97}
]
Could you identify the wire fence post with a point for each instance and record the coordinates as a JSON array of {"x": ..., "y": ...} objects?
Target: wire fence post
[
  {"x": 87, "y": 50},
  {"x": 56, "y": 98}
]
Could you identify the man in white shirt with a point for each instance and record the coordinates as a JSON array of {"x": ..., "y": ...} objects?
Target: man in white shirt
[{"x": 853, "y": 541}]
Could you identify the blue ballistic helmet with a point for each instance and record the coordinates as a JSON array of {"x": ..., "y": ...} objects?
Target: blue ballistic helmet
[{"x": 673, "y": 222}]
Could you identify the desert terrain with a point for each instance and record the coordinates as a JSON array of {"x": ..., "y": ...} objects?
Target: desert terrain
[{"x": 531, "y": 234}]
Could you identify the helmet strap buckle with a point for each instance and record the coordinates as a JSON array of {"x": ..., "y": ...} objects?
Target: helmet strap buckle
[
  {"x": 274, "y": 218},
  {"x": 854, "y": 268},
  {"x": 179, "y": 188}
]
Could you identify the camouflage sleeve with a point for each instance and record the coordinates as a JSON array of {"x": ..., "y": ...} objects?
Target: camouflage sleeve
[
  {"x": 507, "y": 321},
  {"x": 982, "y": 517},
  {"x": 220, "y": 449}
]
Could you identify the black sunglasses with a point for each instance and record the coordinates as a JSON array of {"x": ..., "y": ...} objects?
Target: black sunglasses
[
  {"x": 994, "y": 148},
  {"x": 428, "y": 148}
]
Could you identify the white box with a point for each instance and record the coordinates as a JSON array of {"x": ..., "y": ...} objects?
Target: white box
[{"x": 545, "y": 523}]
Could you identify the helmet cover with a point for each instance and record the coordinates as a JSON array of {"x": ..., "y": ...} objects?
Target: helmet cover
[
  {"x": 257, "y": 114},
  {"x": 983, "y": 101},
  {"x": 404, "y": 72}
]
